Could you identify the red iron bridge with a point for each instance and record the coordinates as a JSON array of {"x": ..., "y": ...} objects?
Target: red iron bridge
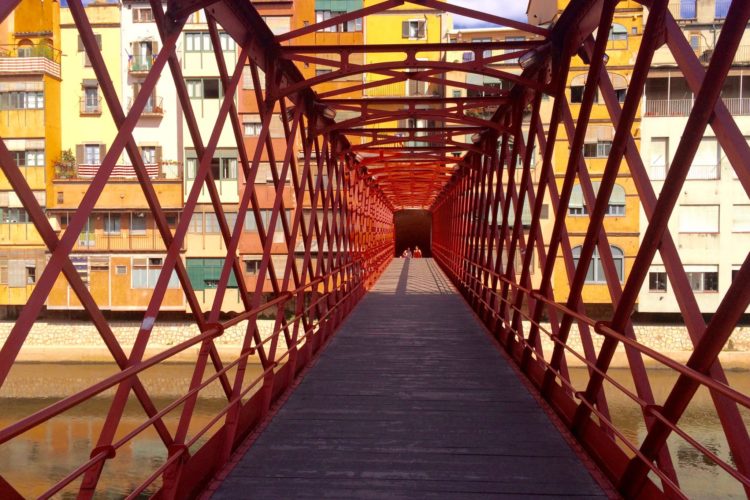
[{"x": 389, "y": 377}]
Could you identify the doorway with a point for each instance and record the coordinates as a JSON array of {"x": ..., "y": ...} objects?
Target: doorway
[{"x": 413, "y": 228}]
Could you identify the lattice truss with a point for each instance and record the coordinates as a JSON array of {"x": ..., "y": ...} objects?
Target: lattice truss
[
  {"x": 478, "y": 242},
  {"x": 473, "y": 188}
]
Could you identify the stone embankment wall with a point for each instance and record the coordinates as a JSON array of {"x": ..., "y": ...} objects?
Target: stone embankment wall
[{"x": 77, "y": 341}]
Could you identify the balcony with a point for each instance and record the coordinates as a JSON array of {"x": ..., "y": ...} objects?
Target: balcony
[
  {"x": 160, "y": 171},
  {"x": 91, "y": 107},
  {"x": 29, "y": 59},
  {"x": 98, "y": 241},
  {"x": 140, "y": 65},
  {"x": 737, "y": 106},
  {"x": 154, "y": 107}
]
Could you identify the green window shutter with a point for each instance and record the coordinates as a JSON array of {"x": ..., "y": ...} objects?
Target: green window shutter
[{"x": 195, "y": 273}]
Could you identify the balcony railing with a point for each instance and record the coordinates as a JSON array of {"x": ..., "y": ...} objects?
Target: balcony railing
[
  {"x": 30, "y": 51},
  {"x": 738, "y": 106},
  {"x": 154, "y": 106},
  {"x": 703, "y": 172},
  {"x": 140, "y": 64},
  {"x": 91, "y": 107},
  {"x": 161, "y": 171},
  {"x": 29, "y": 59},
  {"x": 149, "y": 240}
]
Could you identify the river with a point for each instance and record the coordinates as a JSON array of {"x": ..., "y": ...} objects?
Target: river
[{"x": 34, "y": 460}]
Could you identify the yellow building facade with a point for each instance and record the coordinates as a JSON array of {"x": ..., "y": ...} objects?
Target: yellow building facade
[
  {"x": 30, "y": 125},
  {"x": 622, "y": 222}
]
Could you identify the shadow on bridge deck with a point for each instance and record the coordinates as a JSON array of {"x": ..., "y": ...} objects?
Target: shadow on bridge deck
[{"x": 410, "y": 399}]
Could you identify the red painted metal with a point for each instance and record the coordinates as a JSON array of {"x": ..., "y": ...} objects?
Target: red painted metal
[{"x": 351, "y": 175}]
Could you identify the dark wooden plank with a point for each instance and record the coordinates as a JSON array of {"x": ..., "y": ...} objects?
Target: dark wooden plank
[{"x": 410, "y": 400}]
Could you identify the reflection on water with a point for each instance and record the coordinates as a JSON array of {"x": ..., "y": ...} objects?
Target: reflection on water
[
  {"x": 35, "y": 460},
  {"x": 698, "y": 476}
]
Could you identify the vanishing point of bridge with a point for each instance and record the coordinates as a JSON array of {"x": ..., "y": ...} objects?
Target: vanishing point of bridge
[{"x": 383, "y": 377}]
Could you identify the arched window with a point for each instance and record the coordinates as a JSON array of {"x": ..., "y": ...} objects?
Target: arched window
[
  {"x": 615, "y": 207},
  {"x": 25, "y": 48},
  {"x": 595, "y": 273},
  {"x": 618, "y": 37}
]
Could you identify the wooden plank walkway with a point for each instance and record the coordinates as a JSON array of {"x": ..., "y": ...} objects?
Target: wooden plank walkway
[{"x": 410, "y": 400}]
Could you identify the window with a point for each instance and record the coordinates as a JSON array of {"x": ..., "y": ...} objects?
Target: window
[
  {"x": 659, "y": 162},
  {"x": 615, "y": 207},
  {"x": 31, "y": 158},
  {"x": 211, "y": 88},
  {"x": 252, "y": 265},
  {"x": 111, "y": 223},
  {"x": 143, "y": 15},
  {"x": 721, "y": 9},
  {"x": 13, "y": 215},
  {"x": 413, "y": 29},
  {"x": 22, "y": 100},
  {"x": 228, "y": 168},
  {"x": 595, "y": 272},
  {"x": 456, "y": 93},
  {"x": 687, "y": 9},
  {"x": 138, "y": 223},
  {"x": 322, "y": 71},
  {"x": 191, "y": 167},
  {"x": 148, "y": 153},
  {"x": 703, "y": 278},
  {"x": 706, "y": 161},
  {"x": 91, "y": 99},
  {"x": 735, "y": 271},
  {"x": 252, "y": 128},
  {"x": 121, "y": 270},
  {"x": 266, "y": 219},
  {"x": 485, "y": 53},
  {"x": 598, "y": 149},
  {"x": 657, "y": 281},
  {"x": 30, "y": 274},
  {"x": 695, "y": 42},
  {"x": 92, "y": 154},
  {"x": 196, "y": 223},
  {"x": 618, "y": 37},
  {"x": 699, "y": 218},
  {"x": 146, "y": 271},
  {"x": 205, "y": 273},
  {"x": 212, "y": 223},
  {"x": 347, "y": 27},
  {"x": 201, "y": 42},
  {"x": 204, "y": 88},
  {"x": 741, "y": 218}
]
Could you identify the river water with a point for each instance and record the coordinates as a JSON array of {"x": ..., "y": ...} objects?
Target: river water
[{"x": 36, "y": 459}]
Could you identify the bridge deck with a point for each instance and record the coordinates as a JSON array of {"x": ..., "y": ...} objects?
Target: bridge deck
[{"x": 410, "y": 399}]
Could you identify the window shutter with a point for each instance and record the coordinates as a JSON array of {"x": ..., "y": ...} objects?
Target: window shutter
[
  {"x": 80, "y": 44},
  {"x": 102, "y": 152},
  {"x": 98, "y": 41},
  {"x": 154, "y": 48},
  {"x": 158, "y": 154},
  {"x": 136, "y": 49},
  {"x": 79, "y": 153},
  {"x": 405, "y": 29},
  {"x": 421, "y": 29},
  {"x": 576, "y": 197}
]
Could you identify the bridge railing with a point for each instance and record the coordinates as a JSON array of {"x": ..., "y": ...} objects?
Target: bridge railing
[
  {"x": 317, "y": 266},
  {"x": 583, "y": 283}
]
